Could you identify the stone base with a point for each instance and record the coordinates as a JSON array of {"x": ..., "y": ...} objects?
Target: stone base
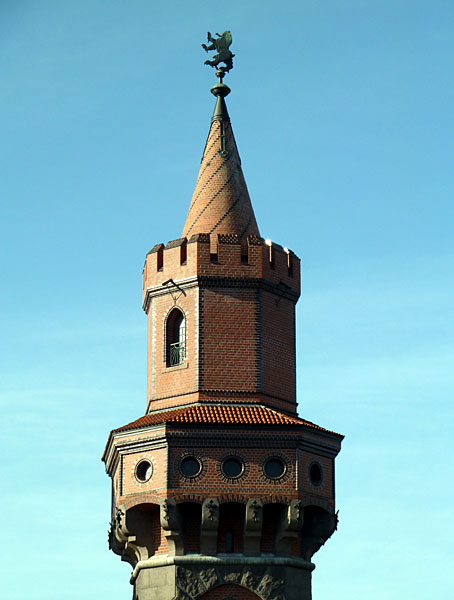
[{"x": 190, "y": 577}]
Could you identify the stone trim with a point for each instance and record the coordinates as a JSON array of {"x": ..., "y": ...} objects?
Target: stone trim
[
  {"x": 199, "y": 560},
  {"x": 211, "y": 281}
]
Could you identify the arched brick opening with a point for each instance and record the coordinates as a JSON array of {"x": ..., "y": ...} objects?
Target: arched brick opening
[
  {"x": 191, "y": 516},
  {"x": 143, "y": 522},
  {"x": 272, "y": 516},
  {"x": 175, "y": 338},
  {"x": 229, "y": 592},
  {"x": 231, "y": 527}
]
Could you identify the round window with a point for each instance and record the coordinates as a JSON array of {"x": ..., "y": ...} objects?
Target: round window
[
  {"x": 315, "y": 474},
  {"x": 144, "y": 471},
  {"x": 190, "y": 466},
  {"x": 232, "y": 467},
  {"x": 274, "y": 468}
]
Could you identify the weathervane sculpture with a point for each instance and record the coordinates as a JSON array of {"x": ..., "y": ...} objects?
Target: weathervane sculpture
[{"x": 221, "y": 45}]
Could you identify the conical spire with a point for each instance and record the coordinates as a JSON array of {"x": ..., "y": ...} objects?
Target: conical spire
[{"x": 221, "y": 203}]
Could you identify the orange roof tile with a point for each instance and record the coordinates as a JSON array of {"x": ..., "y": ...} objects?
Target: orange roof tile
[{"x": 219, "y": 415}]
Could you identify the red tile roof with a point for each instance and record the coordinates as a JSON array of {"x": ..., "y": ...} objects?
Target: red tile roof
[{"x": 219, "y": 415}]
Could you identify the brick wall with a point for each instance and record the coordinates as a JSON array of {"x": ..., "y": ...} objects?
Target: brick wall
[
  {"x": 326, "y": 487},
  {"x": 278, "y": 346},
  {"x": 228, "y": 339},
  {"x": 212, "y": 482},
  {"x": 191, "y": 515},
  {"x": 231, "y": 519},
  {"x": 272, "y": 514},
  {"x": 160, "y": 545},
  {"x": 130, "y": 483},
  {"x": 165, "y": 381}
]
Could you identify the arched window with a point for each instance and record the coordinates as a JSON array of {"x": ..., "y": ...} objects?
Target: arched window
[{"x": 175, "y": 338}]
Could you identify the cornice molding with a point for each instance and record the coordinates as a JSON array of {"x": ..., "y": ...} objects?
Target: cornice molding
[{"x": 212, "y": 281}]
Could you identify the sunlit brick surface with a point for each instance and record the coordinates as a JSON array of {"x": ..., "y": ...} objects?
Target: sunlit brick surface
[{"x": 220, "y": 203}]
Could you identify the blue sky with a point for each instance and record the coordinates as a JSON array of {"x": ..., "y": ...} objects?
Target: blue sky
[{"x": 342, "y": 112}]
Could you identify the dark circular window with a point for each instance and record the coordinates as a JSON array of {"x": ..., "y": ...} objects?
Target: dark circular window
[
  {"x": 274, "y": 468},
  {"x": 190, "y": 466},
  {"x": 315, "y": 474},
  {"x": 144, "y": 470},
  {"x": 232, "y": 467}
]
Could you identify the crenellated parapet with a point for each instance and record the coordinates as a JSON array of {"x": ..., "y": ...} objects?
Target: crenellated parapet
[{"x": 221, "y": 257}]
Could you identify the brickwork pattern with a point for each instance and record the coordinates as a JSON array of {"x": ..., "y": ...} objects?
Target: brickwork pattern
[
  {"x": 130, "y": 483},
  {"x": 231, "y": 520},
  {"x": 220, "y": 203},
  {"x": 164, "y": 380},
  {"x": 272, "y": 514},
  {"x": 228, "y": 347},
  {"x": 160, "y": 544},
  {"x": 252, "y": 481},
  {"x": 191, "y": 514},
  {"x": 278, "y": 343}
]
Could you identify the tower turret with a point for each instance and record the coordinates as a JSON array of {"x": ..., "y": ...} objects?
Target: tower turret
[{"x": 221, "y": 489}]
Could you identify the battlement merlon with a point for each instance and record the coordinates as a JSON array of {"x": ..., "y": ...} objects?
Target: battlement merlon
[{"x": 184, "y": 260}]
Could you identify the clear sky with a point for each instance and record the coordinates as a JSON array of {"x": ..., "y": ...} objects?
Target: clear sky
[{"x": 343, "y": 114}]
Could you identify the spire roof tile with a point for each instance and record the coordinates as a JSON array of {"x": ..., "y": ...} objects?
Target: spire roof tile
[{"x": 221, "y": 203}]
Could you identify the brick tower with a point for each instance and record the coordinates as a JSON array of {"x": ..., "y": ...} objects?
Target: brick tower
[{"x": 220, "y": 491}]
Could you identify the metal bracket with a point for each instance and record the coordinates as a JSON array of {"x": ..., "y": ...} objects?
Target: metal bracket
[{"x": 170, "y": 285}]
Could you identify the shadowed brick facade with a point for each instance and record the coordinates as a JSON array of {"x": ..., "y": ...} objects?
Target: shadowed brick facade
[{"x": 221, "y": 491}]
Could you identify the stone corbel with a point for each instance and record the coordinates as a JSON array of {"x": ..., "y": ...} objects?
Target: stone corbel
[
  {"x": 253, "y": 527},
  {"x": 318, "y": 527},
  {"x": 289, "y": 528},
  {"x": 122, "y": 541},
  {"x": 171, "y": 524},
  {"x": 209, "y": 528}
]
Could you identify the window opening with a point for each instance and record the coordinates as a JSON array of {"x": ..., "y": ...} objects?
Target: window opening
[
  {"x": 176, "y": 333},
  {"x": 315, "y": 474}
]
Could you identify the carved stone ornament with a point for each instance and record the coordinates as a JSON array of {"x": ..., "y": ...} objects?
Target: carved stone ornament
[
  {"x": 249, "y": 580},
  {"x": 270, "y": 587},
  {"x": 192, "y": 585},
  {"x": 169, "y": 514},
  {"x": 210, "y": 513},
  {"x": 232, "y": 578},
  {"x": 254, "y": 512},
  {"x": 118, "y": 533},
  {"x": 295, "y": 515}
]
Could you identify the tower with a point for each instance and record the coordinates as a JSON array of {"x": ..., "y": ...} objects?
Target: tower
[{"x": 221, "y": 491}]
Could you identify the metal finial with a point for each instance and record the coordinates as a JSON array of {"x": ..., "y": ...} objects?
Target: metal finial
[{"x": 221, "y": 45}]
